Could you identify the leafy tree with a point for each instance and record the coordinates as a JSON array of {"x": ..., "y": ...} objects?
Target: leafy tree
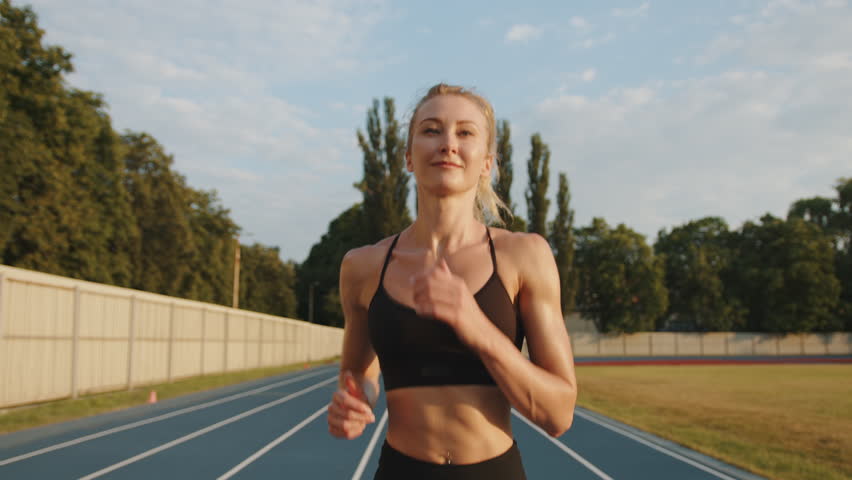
[
  {"x": 783, "y": 273},
  {"x": 322, "y": 267},
  {"x": 503, "y": 183},
  {"x": 538, "y": 170},
  {"x": 166, "y": 244},
  {"x": 620, "y": 281},
  {"x": 385, "y": 182},
  {"x": 35, "y": 182},
  {"x": 212, "y": 259},
  {"x": 562, "y": 242},
  {"x": 842, "y": 230},
  {"x": 267, "y": 283},
  {"x": 816, "y": 210},
  {"x": 696, "y": 258}
]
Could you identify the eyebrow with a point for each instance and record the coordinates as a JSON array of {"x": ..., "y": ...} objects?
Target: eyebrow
[{"x": 438, "y": 120}]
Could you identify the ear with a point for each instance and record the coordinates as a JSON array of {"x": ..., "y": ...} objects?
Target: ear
[
  {"x": 408, "y": 164},
  {"x": 487, "y": 165}
]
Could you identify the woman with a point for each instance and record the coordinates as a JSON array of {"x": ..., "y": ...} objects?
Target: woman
[{"x": 450, "y": 358}]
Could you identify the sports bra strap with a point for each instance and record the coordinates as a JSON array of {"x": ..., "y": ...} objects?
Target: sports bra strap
[
  {"x": 387, "y": 258},
  {"x": 491, "y": 246}
]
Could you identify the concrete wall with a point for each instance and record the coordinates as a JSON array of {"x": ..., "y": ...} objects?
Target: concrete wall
[
  {"x": 61, "y": 337},
  {"x": 591, "y": 344}
]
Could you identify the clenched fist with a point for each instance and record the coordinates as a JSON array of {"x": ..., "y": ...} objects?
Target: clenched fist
[{"x": 350, "y": 410}]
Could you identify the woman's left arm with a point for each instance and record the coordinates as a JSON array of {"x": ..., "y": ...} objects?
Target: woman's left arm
[{"x": 543, "y": 388}]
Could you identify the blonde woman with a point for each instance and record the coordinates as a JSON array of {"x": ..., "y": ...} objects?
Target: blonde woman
[{"x": 442, "y": 309}]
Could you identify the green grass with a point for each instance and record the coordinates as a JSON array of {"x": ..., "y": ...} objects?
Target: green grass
[
  {"x": 59, "y": 411},
  {"x": 778, "y": 421}
]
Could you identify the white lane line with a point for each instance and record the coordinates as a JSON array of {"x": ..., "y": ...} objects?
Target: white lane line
[
  {"x": 565, "y": 448},
  {"x": 204, "y": 430},
  {"x": 369, "y": 451},
  {"x": 147, "y": 421},
  {"x": 230, "y": 473},
  {"x": 658, "y": 448}
]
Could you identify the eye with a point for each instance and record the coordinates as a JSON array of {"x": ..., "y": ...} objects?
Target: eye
[
  {"x": 431, "y": 130},
  {"x": 465, "y": 133}
]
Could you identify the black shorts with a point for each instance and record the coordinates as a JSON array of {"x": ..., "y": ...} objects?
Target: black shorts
[{"x": 395, "y": 465}]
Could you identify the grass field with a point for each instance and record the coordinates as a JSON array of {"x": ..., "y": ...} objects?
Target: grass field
[
  {"x": 778, "y": 421},
  {"x": 62, "y": 410}
]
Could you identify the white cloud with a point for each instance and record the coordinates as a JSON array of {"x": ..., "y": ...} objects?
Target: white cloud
[
  {"x": 640, "y": 11},
  {"x": 522, "y": 33},
  {"x": 579, "y": 23},
  {"x": 749, "y": 140},
  {"x": 592, "y": 42},
  {"x": 589, "y": 74}
]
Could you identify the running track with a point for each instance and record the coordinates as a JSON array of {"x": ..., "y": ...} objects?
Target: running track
[{"x": 276, "y": 428}]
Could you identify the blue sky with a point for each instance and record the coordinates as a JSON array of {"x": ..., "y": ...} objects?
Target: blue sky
[{"x": 659, "y": 112}]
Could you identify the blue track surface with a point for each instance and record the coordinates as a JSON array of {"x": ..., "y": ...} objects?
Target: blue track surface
[{"x": 276, "y": 428}]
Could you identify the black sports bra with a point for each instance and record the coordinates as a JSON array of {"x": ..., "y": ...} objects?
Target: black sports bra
[{"x": 418, "y": 351}]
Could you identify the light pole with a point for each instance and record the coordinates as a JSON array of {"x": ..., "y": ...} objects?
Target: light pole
[
  {"x": 236, "y": 301},
  {"x": 311, "y": 302}
]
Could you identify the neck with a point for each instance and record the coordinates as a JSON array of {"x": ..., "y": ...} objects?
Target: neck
[{"x": 445, "y": 223}]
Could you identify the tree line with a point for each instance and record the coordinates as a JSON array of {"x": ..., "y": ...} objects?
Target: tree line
[
  {"x": 79, "y": 199},
  {"x": 774, "y": 275}
]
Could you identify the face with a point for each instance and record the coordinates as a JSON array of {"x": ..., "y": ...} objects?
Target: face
[{"x": 449, "y": 145}]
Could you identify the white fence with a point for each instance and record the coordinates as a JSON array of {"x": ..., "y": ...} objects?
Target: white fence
[{"x": 61, "y": 337}]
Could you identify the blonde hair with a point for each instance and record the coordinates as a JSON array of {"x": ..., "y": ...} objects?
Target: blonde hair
[{"x": 488, "y": 203}]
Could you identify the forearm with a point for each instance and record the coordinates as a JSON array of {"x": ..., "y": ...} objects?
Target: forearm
[
  {"x": 366, "y": 378},
  {"x": 543, "y": 397}
]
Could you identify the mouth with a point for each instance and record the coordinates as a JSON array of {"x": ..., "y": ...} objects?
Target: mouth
[{"x": 446, "y": 165}]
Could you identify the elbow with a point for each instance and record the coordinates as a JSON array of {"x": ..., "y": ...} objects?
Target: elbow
[
  {"x": 562, "y": 423},
  {"x": 557, "y": 429}
]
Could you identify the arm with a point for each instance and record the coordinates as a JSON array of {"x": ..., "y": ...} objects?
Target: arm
[
  {"x": 351, "y": 407},
  {"x": 543, "y": 389}
]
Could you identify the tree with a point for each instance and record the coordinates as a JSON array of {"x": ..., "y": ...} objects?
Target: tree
[
  {"x": 322, "y": 267},
  {"x": 503, "y": 183},
  {"x": 562, "y": 242},
  {"x": 538, "y": 169},
  {"x": 784, "y": 275},
  {"x": 816, "y": 210},
  {"x": 620, "y": 281},
  {"x": 696, "y": 258},
  {"x": 266, "y": 282},
  {"x": 160, "y": 202},
  {"x": 385, "y": 182}
]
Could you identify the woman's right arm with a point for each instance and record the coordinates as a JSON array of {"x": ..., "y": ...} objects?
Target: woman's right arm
[{"x": 351, "y": 408}]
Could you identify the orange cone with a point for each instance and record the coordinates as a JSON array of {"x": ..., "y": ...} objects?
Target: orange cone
[
  {"x": 306, "y": 365},
  {"x": 152, "y": 397}
]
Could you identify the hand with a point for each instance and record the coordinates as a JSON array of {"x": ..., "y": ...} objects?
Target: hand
[
  {"x": 440, "y": 294},
  {"x": 349, "y": 411}
]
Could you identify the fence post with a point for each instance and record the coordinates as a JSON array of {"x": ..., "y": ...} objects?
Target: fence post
[
  {"x": 677, "y": 347},
  {"x": 651, "y": 344},
  {"x": 245, "y": 342},
  {"x": 75, "y": 340},
  {"x": 171, "y": 339},
  {"x": 203, "y": 336},
  {"x": 227, "y": 333},
  {"x": 131, "y": 340},
  {"x": 2, "y": 286}
]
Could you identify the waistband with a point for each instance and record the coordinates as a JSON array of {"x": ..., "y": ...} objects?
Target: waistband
[{"x": 393, "y": 464}]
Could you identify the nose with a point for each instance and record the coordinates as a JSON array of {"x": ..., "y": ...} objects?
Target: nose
[{"x": 450, "y": 145}]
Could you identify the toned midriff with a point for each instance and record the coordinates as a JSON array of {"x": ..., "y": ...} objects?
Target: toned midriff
[{"x": 470, "y": 423}]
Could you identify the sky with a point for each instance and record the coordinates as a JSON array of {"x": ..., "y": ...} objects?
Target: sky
[{"x": 659, "y": 112}]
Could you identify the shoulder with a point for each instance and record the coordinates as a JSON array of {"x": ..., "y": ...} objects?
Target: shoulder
[
  {"x": 521, "y": 246},
  {"x": 362, "y": 263},
  {"x": 529, "y": 254}
]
